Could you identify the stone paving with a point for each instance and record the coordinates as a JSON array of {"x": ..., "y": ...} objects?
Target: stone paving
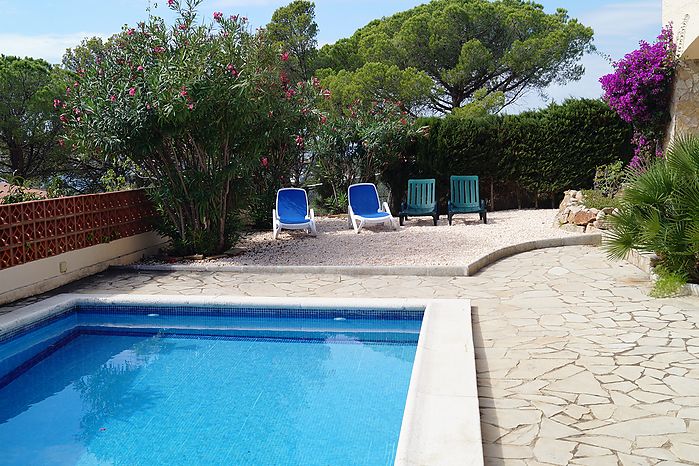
[{"x": 576, "y": 364}]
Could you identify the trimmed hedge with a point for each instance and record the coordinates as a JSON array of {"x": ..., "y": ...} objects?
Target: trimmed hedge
[{"x": 520, "y": 159}]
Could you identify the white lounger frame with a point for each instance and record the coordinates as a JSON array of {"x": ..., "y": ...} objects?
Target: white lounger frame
[
  {"x": 277, "y": 224},
  {"x": 357, "y": 221}
]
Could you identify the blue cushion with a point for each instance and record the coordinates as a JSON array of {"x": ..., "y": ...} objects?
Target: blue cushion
[
  {"x": 374, "y": 215},
  {"x": 293, "y": 220},
  {"x": 292, "y": 206},
  {"x": 364, "y": 200}
]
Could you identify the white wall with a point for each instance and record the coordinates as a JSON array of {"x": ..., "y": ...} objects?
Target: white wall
[
  {"x": 46, "y": 274},
  {"x": 684, "y": 16}
]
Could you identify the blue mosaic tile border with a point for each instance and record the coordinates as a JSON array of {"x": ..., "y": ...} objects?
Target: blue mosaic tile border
[{"x": 250, "y": 311}]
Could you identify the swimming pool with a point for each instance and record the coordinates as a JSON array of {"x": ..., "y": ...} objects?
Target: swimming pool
[
  {"x": 143, "y": 379},
  {"x": 135, "y": 384}
]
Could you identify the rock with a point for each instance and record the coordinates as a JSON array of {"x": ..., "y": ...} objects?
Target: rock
[
  {"x": 591, "y": 228},
  {"x": 608, "y": 210},
  {"x": 234, "y": 252},
  {"x": 601, "y": 215},
  {"x": 583, "y": 217},
  {"x": 573, "y": 228},
  {"x": 579, "y": 196}
]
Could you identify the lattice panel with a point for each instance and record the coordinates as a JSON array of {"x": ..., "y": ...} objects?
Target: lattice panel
[{"x": 38, "y": 229}]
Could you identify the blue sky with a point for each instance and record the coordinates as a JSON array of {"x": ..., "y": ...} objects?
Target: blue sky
[{"x": 45, "y": 28}]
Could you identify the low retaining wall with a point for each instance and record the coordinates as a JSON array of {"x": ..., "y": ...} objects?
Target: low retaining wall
[
  {"x": 573, "y": 216},
  {"x": 42, "y": 275},
  {"x": 430, "y": 271}
]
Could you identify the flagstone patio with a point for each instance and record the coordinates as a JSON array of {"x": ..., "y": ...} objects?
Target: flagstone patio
[{"x": 576, "y": 364}]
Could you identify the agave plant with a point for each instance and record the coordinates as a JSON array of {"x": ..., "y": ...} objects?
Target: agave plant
[{"x": 660, "y": 211}]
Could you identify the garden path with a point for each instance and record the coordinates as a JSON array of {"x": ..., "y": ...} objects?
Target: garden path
[{"x": 576, "y": 364}]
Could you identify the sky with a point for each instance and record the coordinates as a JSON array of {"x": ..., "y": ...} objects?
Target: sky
[{"x": 45, "y": 28}]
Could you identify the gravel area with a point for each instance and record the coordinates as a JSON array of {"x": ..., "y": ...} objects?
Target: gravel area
[{"x": 416, "y": 243}]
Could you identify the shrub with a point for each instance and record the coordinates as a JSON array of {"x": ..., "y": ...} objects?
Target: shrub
[
  {"x": 595, "y": 199},
  {"x": 358, "y": 144},
  {"x": 660, "y": 211},
  {"x": 541, "y": 153},
  {"x": 192, "y": 104},
  {"x": 609, "y": 178},
  {"x": 639, "y": 91}
]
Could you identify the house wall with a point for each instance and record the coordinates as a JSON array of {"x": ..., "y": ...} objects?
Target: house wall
[{"x": 684, "y": 107}]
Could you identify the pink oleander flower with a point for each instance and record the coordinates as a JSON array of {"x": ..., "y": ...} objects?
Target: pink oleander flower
[
  {"x": 232, "y": 69},
  {"x": 290, "y": 93},
  {"x": 148, "y": 107},
  {"x": 182, "y": 27},
  {"x": 183, "y": 92},
  {"x": 234, "y": 18},
  {"x": 140, "y": 68},
  {"x": 323, "y": 119},
  {"x": 299, "y": 141},
  {"x": 112, "y": 98},
  {"x": 130, "y": 31},
  {"x": 218, "y": 16},
  {"x": 61, "y": 142},
  {"x": 284, "y": 56},
  {"x": 76, "y": 110},
  {"x": 56, "y": 103},
  {"x": 170, "y": 3},
  {"x": 264, "y": 162},
  {"x": 326, "y": 93},
  {"x": 132, "y": 91},
  {"x": 190, "y": 106},
  {"x": 158, "y": 49},
  {"x": 63, "y": 118}
]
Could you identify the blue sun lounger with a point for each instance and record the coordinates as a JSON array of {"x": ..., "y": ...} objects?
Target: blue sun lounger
[
  {"x": 365, "y": 207},
  {"x": 292, "y": 212}
]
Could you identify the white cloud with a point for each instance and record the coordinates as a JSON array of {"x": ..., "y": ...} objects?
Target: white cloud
[{"x": 50, "y": 47}]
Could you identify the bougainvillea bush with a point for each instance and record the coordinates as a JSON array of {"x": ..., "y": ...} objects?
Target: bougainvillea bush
[
  {"x": 193, "y": 105},
  {"x": 639, "y": 91}
]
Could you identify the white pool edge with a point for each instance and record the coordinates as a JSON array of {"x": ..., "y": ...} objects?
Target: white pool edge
[{"x": 441, "y": 420}]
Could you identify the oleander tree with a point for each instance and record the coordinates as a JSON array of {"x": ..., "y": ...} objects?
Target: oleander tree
[{"x": 194, "y": 105}]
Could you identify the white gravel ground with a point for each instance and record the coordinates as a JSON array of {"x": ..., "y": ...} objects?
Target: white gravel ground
[{"x": 416, "y": 243}]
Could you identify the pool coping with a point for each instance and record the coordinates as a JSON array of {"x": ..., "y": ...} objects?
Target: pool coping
[{"x": 441, "y": 420}]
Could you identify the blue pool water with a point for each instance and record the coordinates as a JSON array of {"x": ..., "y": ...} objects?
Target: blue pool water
[{"x": 134, "y": 386}]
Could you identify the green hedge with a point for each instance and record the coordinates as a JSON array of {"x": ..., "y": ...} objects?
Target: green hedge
[{"x": 520, "y": 159}]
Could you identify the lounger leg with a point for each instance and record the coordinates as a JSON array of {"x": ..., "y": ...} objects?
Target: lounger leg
[
  {"x": 356, "y": 227},
  {"x": 449, "y": 217},
  {"x": 435, "y": 219},
  {"x": 275, "y": 231},
  {"x": 314, "y": 232},
  {"x": 401, "y": 220},
  {"x": 485, "y": 217}
]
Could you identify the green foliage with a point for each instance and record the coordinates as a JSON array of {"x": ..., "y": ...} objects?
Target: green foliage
[
  {"x": 294, "y": 28},
  {"x": 668, "y": 283},
  {"x": 29, "y": 126},
  {"x": 192, "y": 105},
  {"x": 609, "y": 178},
  {"x": 542, "y": 153},
  {"x": 20, "y": 191},
  {"x": 595, "y": 199},
  {"x": 378, "y": 81},
  {"x": 660, "y": 211},
  {"x": 507, "y": 46},
  {"x": 357, "y": 144}
]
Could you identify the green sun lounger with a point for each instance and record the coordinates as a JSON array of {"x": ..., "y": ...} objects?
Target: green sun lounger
[
  {"x": 421, "y": 201},
  {"x": 464, "y": 198}
]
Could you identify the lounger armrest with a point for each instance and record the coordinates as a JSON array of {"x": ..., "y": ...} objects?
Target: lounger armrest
[
  {"x": 484, "y": 205},
  {"x": 311, "y": 214},
  {"x": 449, "y": 206},
  {"x": 274, "y": 214},
  {"x": 387, "y": 209}
]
